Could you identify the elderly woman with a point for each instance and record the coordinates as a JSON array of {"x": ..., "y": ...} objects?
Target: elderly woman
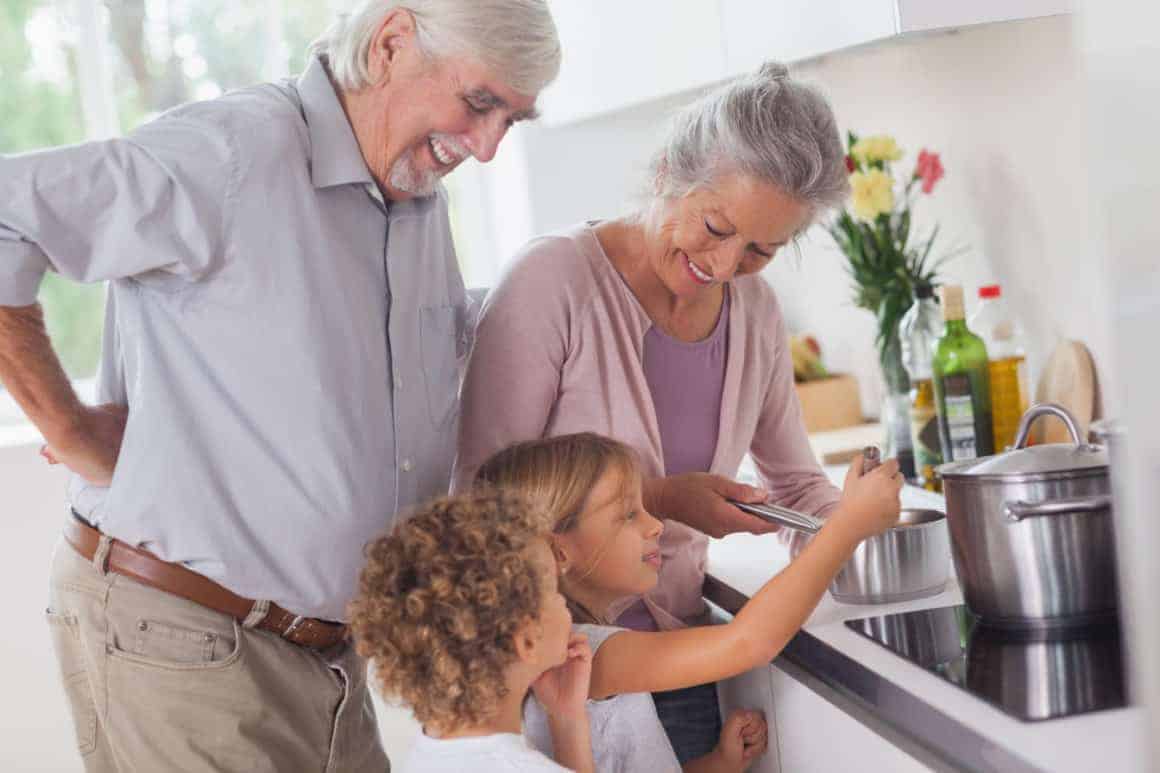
[{"x": 656, "y": 329}]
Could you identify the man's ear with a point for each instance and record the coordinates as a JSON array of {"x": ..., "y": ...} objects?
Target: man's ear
[{"x": 396, "y": 34}]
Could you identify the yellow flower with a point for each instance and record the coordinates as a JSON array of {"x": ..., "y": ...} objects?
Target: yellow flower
[
  {"x": 881, "y": 147},
  {"x": 872, "y": 193}
]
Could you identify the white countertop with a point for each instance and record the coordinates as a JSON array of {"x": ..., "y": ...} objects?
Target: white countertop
[{"x": 1106, "y": 740}]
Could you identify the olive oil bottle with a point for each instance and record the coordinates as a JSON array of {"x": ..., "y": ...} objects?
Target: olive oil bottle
[
  {"x": 962, "y": 385},
  {"x": 919, "y": 331}
]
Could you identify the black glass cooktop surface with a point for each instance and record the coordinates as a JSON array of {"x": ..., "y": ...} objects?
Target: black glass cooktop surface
[{"x": 1031, "y": 675}]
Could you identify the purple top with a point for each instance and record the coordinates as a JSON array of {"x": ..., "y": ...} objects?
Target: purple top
[{"x": 686, "y": 381}]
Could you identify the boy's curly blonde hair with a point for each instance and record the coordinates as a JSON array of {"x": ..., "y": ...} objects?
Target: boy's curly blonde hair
[{"x": 440, "y": 600}]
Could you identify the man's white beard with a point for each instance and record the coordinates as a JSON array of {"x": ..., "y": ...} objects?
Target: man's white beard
[{"x": 405, "y": 177}]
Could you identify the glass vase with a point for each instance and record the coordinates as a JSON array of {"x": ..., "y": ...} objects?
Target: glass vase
[{"x": 896, "y": 405}]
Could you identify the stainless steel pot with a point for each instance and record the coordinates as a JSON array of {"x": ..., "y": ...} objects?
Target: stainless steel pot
[
  {"x": 1031, "y": 530},
  {"x": 908, "y": 561}
]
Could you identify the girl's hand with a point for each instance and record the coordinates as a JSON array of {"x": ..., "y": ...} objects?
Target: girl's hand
[
  {"x": 563, "y": 690},
  {"x": 870, "y": 503},
  {"x": 743, "y": 739}
]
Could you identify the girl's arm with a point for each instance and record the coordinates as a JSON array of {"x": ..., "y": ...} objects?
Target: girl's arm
[{"x": 634, "y": 661}]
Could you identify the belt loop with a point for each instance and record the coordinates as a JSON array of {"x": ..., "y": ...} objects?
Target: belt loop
[
  {"x": 257, "y": 613},
  {"x": 101, "y": 556}
]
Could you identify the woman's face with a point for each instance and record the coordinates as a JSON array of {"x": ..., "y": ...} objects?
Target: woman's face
[
  {"x": 614, "y": 550},
  {"x": 711, "y": 234},
  {"x": 555, "y": 620}
]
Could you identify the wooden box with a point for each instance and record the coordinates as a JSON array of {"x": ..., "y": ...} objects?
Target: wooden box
[{"x": 830, "y": 403}]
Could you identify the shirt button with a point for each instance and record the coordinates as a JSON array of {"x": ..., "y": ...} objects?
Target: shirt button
[{"x": 406, "y": 465}]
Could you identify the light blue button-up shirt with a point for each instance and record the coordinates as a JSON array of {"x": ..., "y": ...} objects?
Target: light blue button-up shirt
[{"x": 289, "y": 347}]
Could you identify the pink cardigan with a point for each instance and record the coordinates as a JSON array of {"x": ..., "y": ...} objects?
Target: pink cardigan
[{"x": 558, "y": 349}]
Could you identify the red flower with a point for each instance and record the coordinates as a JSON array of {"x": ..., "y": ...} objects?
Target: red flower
[
  {"x": 850, "y": 166},
  {"x": 929, "y": 170}
]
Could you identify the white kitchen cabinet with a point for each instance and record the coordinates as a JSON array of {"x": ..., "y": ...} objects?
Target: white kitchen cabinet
[
  {"x": 815, "y": 735},
  {"x": 792, "y": 30},
  {"x": 623, "y": 52},
  {"x": 619, "y": 53}
]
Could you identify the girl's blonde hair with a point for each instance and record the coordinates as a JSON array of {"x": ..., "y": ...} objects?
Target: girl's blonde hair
[{"x": 558, "y": 474}]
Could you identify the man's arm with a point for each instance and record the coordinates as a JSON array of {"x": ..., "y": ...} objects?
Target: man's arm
[{"x": 85, "y": 439}]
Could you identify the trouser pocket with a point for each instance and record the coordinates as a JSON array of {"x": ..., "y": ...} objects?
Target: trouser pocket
[{"x": 75, "y": 677}]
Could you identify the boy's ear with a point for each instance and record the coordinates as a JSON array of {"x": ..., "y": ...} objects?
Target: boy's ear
[{"x": 527, "y": 639}]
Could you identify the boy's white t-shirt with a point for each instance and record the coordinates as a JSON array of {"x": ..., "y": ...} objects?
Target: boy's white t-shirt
[
  {"x": 503, "y": 752},
  {"x": 627, "y": 734}
]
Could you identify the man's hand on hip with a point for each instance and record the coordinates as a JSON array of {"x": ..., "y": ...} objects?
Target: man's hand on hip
[
  {"x": 698, "y": 499},
  {"x": 91, "y": 448}
]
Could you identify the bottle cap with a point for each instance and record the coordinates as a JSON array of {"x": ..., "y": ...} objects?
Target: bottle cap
[
  {"x": 990, "y": 291},
  {"x": 952, "y": 302}
]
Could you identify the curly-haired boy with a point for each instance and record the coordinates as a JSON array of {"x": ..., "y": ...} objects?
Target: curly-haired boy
[{"x": 459, "y": 611}]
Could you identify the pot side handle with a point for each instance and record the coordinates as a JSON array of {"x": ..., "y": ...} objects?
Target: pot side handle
[{"x": 1018, "y": 510}]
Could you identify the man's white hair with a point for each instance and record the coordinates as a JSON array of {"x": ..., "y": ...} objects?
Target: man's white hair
[{"x": 515, "y": 39}]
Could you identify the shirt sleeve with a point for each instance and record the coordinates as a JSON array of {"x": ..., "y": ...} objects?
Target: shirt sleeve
[
  {"x": 780, "y": 446},
  {"x": 513, "y": 373},
  {"x": 152, "y": 201}
]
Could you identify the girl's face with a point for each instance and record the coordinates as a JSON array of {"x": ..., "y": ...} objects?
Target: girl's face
[{"x": 613, "y": 550}]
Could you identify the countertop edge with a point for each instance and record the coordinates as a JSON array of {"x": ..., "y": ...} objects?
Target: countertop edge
[{"x": 910, "y": 723}]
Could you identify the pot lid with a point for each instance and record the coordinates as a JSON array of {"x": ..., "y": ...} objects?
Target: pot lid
[
  {"x": 1053, "y": 459},
  {"x": 1048, "y": 459}
]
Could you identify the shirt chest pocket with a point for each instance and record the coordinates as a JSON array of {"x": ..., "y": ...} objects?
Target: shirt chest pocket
[{"x": 443, "y": 343}]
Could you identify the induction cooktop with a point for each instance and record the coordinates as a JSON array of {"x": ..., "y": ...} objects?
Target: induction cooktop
[{"x": 1031, "y": 675}]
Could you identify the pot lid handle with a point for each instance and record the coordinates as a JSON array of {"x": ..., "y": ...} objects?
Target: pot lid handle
[{"x": 1046, "y": 409}]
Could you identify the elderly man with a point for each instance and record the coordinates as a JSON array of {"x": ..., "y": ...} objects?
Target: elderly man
[{"x": 286, "y": 325}]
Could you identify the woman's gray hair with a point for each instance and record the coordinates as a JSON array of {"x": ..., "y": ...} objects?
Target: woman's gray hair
[
  {"x": 515, "y": 39},
  {"x": 764, "y": 125}
]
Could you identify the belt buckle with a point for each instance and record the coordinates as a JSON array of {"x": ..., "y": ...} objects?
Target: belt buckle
[{"x": 295, "y": 624}]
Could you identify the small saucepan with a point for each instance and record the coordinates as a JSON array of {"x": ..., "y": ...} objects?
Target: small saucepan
[{"x": 908, "y": 561}]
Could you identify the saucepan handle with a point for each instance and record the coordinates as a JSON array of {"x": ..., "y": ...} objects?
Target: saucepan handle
[
  {"x": 781, "y": 515},
  {"x": 1018, "y": 510}
]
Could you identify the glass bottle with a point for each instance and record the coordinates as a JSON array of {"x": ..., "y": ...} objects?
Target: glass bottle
[
  {"x": 962, "y": 385},
  {"x": 920, "y": 329},
  {"x": 995, "y": 324}
]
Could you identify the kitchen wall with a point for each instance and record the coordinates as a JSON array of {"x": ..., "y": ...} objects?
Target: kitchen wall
[{"x": 1003, "y": 104}]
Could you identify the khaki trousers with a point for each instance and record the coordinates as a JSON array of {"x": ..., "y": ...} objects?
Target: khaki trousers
[{"x": 157, "y": 683}]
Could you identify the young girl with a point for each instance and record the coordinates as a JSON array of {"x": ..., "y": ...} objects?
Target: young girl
[
  {"x": 459, "y": 611},
  {"x": 606, "y": 545}
]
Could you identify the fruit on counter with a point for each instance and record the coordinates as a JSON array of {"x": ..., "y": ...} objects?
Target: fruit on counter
[{"x": 807, "y": 358}]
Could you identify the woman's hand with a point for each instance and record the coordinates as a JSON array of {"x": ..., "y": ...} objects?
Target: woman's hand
[
  {"x": 563, "y": 690},
  {"x": 698, "y": 499},
  {"x": 870, "y": 502}
]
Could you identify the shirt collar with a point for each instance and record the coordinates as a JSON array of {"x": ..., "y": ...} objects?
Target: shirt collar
[{"x": 335, "y": 158}]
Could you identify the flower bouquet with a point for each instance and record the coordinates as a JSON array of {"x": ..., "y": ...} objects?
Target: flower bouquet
[{"x": 874, "y": 233}]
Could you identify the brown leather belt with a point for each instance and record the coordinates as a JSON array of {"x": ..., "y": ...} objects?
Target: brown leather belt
[{"x": 150, "y": 570}]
